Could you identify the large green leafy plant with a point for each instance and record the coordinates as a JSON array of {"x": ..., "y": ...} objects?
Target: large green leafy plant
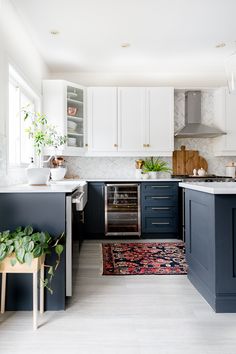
[
  {"x": 25, "y": 244},
  {"x": 153, "y": 164},
  {"x": 42, "y": 133}
]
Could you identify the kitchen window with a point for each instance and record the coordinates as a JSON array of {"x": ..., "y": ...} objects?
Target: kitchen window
[{"x": 20, "y": 95}]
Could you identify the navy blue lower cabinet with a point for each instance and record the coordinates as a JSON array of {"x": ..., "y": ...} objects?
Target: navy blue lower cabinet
[
  {"x": 94, "y": 213},
  {"x": 160, "y": 209},
  {"x": 46, "y": 212},
  {"x": 211, "y": 247}
]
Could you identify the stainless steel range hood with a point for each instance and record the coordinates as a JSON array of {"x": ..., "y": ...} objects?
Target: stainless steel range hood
[{"x": 193, "y": 126}]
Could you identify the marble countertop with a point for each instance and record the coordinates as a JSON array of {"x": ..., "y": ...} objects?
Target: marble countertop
[
  {"x": 69, "y": 185},
  {"x": 211, "y": 187},
  {"x": 50, "y": 188}
]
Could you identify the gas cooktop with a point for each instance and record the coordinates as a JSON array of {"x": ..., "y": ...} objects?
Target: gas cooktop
[{"x": 208, "y": 178}]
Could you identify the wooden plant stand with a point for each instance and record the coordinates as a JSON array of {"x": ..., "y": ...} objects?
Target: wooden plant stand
[{"x": 36, "y": 265}]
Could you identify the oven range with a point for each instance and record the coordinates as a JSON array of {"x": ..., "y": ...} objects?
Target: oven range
[{"x": 208, "y": 178}]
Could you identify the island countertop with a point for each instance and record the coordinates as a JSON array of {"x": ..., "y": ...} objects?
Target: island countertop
[
  {"x": 211, "y": 187},
  {"x": 50, "y": 188}
]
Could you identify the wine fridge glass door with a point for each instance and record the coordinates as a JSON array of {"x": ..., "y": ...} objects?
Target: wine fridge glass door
[{"x": 122, "y": 209}]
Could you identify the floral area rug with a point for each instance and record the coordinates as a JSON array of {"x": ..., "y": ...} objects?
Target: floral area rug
[{"x": 165, "y": 258}]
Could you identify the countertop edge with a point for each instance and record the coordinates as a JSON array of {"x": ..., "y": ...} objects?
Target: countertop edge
[{"x": 208, "y": 189}]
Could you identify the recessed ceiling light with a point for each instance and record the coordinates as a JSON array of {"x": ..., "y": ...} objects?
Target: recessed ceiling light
[
  {"x": 220, "y": 45},
  {"x": 54, "y": 32},
  {"x": 125, "y": 45}
]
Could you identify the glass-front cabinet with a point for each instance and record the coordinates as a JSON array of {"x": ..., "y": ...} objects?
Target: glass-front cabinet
[
  {"x": 75, "y": 116},
  {"x": 64, "y": 105}
]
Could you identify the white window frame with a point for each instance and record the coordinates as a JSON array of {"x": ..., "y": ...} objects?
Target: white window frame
[{"x": 19, "y": 81}]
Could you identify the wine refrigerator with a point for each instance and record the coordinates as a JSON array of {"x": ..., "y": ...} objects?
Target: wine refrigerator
[{"x": 122, "y": 209}]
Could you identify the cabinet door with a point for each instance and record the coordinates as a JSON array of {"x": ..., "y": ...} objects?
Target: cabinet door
[
  {"x": 75, "y": 113},
  {"x": 95, "y": 210},
  {"x": 230, "y": 122},
  {"x": 159, "y": 125},
  {"x": 64, "y": 105},
  {"x": 102, "y": 119},
  {"x": 225, "y": 111},
  {"x": 131, "y": 119}
]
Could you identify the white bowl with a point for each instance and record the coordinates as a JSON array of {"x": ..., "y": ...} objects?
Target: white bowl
[
  {"x": 71, "y": 141},
  {"x": 58, "y": 173},
  {"x": 38, "y": 175},
  {"x": 71, "y": 125}
]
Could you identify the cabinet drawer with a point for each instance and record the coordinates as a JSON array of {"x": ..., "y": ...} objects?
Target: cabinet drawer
[
  {"x": 160, "y": 211},
  {"x": 155, "y": 224},
  {"x": 159, "y": 200},
  {"x": 160, "y": 188}
]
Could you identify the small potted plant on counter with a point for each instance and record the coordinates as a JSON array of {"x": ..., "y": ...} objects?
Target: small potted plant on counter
[
  {"x": 26, "y": 248},
  {"x": 153, "y": 166},
  {"x": 43, "y": 135}
]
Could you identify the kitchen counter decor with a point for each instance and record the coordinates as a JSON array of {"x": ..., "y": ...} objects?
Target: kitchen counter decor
[
  {"x": 42, "y": 135},
  {"x": 153, "y": 166}
]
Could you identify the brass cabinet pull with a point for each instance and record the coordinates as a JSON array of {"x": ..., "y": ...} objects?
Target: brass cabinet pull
[
  {"x": 115, "y": 145},
  {"x": 86, "y": 145},
  {"x": 148, "y": 145},
  {"x": 144, "y": 145},
  {"x": 160, "y": 223}
]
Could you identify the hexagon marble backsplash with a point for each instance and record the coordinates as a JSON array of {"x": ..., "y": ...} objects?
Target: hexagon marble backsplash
[{"x": 119, "y": 167}]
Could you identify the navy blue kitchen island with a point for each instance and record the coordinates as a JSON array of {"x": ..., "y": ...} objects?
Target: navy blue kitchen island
[{"x": 210, "y": 224}]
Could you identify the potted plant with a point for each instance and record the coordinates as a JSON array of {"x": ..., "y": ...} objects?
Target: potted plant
[
  {"x": 25, "y": 247},
  {"x": 42, "y": 134},
  {"x": 153, "y": 166}
]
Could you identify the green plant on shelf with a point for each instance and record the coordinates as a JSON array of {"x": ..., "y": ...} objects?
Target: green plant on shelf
[
  {"x": 42, "y": 133},
  {"x": 153, "y": 164},
  {"x": 24, "y": 244}
]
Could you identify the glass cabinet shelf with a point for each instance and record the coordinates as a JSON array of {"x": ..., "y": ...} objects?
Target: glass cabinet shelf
[{"x": 75, "y": 115}]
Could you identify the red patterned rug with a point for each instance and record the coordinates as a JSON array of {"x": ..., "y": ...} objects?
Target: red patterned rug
[{"x": 165, "y": 258}]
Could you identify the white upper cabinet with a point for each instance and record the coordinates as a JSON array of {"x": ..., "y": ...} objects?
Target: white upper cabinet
[
  {"x": 159, "y": 123},
  {"x": 64, "y": 104},
  {"x": 102, "y": 119},
  {"x": 225, "y": 117},
  {"x": 131, "y": 119}
]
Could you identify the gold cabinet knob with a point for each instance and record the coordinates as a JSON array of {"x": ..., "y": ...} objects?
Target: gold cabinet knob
[
  {"x": 86, "y": 145},
  {"x": 148, "y": 145},
  {"x": 144, "y": 145},
  {"x": 115, "y": 145}
]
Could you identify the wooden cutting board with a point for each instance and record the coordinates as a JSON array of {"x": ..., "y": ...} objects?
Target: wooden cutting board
[{"x": 184, "y": 161}]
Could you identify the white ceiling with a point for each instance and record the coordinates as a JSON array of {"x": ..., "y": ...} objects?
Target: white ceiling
[{"x": 166, "y": 36}]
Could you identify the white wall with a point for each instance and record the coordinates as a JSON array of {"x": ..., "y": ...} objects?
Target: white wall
[{"x": 16, "y": 48}]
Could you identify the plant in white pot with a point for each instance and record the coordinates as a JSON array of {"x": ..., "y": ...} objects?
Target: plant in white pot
[
  {"x": 42, "y": 134},
  {"x": 153, "y": 166}
]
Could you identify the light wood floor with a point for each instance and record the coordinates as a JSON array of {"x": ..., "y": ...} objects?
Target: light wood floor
[{"x": 122, "y": 315}]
